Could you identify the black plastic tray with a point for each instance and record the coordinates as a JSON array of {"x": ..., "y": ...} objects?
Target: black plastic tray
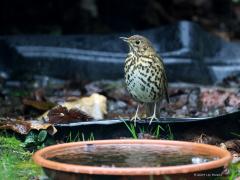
[
  {"x": 165, "y": 120},
  {"x": 220, "y": 126}
]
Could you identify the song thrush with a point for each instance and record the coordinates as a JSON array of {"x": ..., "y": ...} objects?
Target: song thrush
[{"x": 145, "y": 75}]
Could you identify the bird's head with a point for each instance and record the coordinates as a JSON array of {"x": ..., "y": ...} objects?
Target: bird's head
[{"x": 139, "y": 45}]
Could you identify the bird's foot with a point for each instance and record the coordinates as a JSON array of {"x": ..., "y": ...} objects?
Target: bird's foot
[
  {"x": 135, "y": 118},
  {"x": 153, "y": 117}
]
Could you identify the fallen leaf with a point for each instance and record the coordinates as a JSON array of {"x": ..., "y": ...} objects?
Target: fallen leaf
[
  {"x": 38, "y": 125},
  {"x": 61, "y": 114},
  {"x": 206, "y": 139},
  {"x": 19, "y": 126},
  {"x": 233, "y": 145},
  {"x": 94, "y": 106},
  {"x": 22, "y": 126}
]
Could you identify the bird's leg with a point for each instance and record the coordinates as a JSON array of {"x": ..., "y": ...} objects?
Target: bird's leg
[
  {"x": 135, "y": 117},
  {"x": 153, "y": 117}
]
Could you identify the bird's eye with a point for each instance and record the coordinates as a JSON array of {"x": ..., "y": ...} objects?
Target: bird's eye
[{"x": 137, "y": 42}]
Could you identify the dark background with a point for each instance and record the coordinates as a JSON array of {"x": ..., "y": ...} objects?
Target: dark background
[{"x": 221, "y": 17}]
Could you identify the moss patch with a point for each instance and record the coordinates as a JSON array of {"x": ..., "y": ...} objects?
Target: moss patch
[{"x": 15, "y": 161}]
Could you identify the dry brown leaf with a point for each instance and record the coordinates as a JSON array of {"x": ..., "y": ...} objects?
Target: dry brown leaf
[
  {"x": 94, "y": 106},
  {"x": 22, "y": 126},
  {"x": 38, "y": 125},
  {"x": 61, "y": 114},
  {"x": 233, "y": 145}
]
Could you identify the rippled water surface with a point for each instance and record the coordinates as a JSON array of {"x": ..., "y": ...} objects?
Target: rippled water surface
[{"x": 129, "y": 155}]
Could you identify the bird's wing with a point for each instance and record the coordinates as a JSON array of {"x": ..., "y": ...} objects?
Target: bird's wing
[
  {"x": 165, "y": 81},
  {"x": 166, "y": 87}
]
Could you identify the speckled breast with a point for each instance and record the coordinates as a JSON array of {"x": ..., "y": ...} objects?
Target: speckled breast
[{"x": 143, "y": 77}]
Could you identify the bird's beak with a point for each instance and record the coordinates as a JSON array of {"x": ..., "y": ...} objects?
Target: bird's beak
[{"x": 124, "y": 39}]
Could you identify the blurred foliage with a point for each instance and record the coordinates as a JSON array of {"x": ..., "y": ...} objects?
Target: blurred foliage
[
  {"x": 38, "y": 140},
  {"x": 234, "y": 171}
]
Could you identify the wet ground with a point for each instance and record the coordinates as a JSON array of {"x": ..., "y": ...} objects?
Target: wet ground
[
  {"x": 40, "y": 102},
  {"x": 30, "y": 99}
]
